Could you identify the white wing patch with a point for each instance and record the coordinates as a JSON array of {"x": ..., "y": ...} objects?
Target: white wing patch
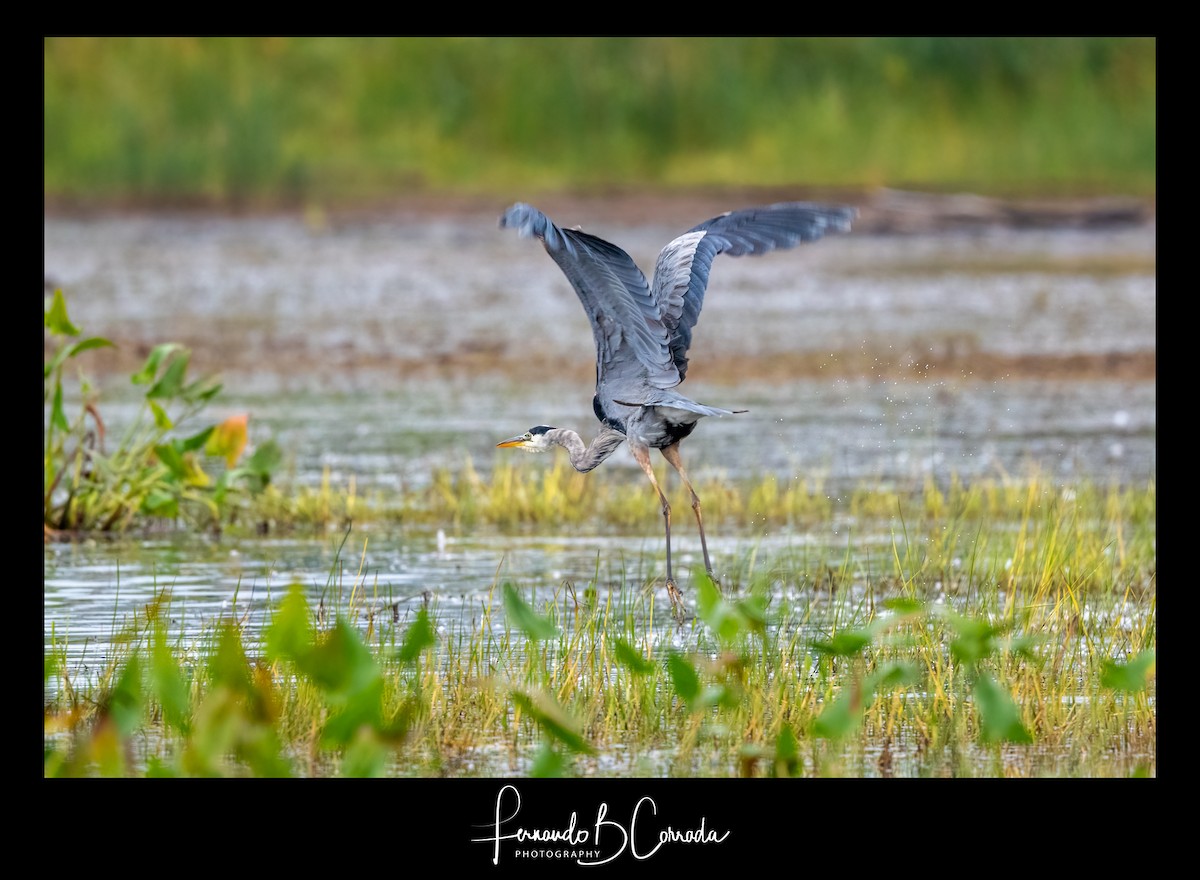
[{"x": 673, "y": 274}]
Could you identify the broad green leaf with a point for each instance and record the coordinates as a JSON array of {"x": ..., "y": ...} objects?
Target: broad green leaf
[
  {"x": 290, "y": 633},
  {"x": 417, "y": 638},
  {"x": 895, "y": 675},
  {"x": 847, "y": 643},
  {"x": 683, "y": 677},
  {"x": 365, "y": 757},
  {"x": 357, "y": 711},
  {"x": 842, "y": 716},
  {"x": 195, "y": 442},
  {"x": 787, "y": 748},
  {"x": 722, "y": 618},
  {"x": 548, "y": 764},
  {"x": 1129, "y": 677},
  {"x": 525, "y": 618},
  {"x": 168, "y": 683},
  {"x": 339, "y": 662},
  {"x": 631, "y": 658},
  {"x": 266, "y": 458},
  {"x": 56, "y": 318},
  {"x": 162, "y": 421},
  {"x": 228, "y": 666},
  {"x": 999, "y": 716},
  {"x": 149, "y": 370},
  {"x": 58, "y": 418},
  {"x": 172, "y": 459},
  {"x": 87, "y": 345},
  {"x": 552, "y": 719},
  {"x": 69, "y": 351},
  {"x": 169, "y": 386},
  {"x": 125, "y": 703},
  {"x": 904, "y": 606},
  {"x": 160, "y": 503},
  {"x": 787, "y": 753}
]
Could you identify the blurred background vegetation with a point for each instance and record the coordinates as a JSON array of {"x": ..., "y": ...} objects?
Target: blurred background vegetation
[{"x": 302, "y": 120}]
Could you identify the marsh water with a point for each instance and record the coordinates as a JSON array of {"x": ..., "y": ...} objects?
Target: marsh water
[{"x": 378, "y": 349}]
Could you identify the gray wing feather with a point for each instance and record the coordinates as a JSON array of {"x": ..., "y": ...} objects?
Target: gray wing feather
[
  {"x": 627, "y": 324},
  {"x": 682, "y": 270},
  {"x": 644, "y": 333}
]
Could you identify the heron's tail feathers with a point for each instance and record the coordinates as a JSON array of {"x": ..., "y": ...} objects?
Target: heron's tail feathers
[{"x": 678, "y": 402}]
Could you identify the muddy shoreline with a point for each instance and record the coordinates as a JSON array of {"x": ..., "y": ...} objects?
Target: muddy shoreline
[{"x": 881, "y": 211}]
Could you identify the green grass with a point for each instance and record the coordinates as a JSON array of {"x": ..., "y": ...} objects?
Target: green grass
[
  {"x": 1007, "y": 633},
  {"x": 313, "y": 121}
]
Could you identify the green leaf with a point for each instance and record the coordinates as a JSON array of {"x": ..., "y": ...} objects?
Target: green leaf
[
  {"x": 172, "y": 459},
  {"x": 843, "y": 715},
  {"x": 195, "y": 442},
  {"x": 549, "y": 764},
  {"x": 260, "y": 465},
  {"x": 847, "y": 643},
  {"x": 162, "y": 421},
  {"x": 168, "y": 683},
  {"x": 358, "y": 711},
  {"x": 631, "y": 658},
  {"x": 171, "y": 383},
  {"x": 58, "y": 418},
  {"x": 904, "y": 606},
  {"x": 683, "y": 677},
  {"x": 228, "y": 665},
  {"x": 552, "y": 719},
  {"x": 339, "y": 662},
  {"x": 365, "y": 757},
  {"x": 1130, "y": 677},
  {"x": 290, "y": 633},
  {"x": 999, "y": 716},
  {"x": 417, "y": 638},
  {"x": 160, "y": 503},
  {"x": 149, "y": 370},
  {"x": 895, "y": 675},
  {"x": 524, "y": 618},
  {"x": 787, "y": 753},
  {"x": 56, "y": 318},
  {"x": 88, "y": 345},
  {"x": 125, "y": 703},
  {"x": 722, "y": 618}
]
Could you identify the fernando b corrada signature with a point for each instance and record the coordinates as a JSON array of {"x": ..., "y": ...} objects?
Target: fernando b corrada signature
[{"x": 643, "y": 833}]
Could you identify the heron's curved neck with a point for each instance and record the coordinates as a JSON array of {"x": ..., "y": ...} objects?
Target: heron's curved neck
[{"x": 585, "y": 458}]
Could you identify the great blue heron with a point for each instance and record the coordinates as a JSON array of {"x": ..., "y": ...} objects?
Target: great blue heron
[{"x": 643, "y": 331}]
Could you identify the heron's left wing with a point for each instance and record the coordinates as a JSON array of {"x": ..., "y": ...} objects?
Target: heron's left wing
[
  {"x": 681, "y": 273},
  {"x": 631, "y": 339}
]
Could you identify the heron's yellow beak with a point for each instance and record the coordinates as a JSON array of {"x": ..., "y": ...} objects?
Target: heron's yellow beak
[{"x": 513, "y": 441}]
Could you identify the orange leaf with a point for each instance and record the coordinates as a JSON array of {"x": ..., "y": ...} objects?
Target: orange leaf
[{"x": 228, "y": 439}]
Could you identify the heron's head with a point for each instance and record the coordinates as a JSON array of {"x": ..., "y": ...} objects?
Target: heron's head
[{"x": 533, "y": 440}]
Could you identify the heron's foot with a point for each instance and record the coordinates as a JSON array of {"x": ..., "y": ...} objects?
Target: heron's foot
[
  {"x": 712, "y": 576},
  {"x": 678, "y": 609}
]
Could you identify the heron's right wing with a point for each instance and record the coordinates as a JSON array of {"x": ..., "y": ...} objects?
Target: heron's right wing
[{"x": 631, "y": 339}]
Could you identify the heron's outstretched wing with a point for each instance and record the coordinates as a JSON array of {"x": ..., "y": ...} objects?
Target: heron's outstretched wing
[
  {"x": 631, "y": 340},
  {"x": 681, "y": 273}
]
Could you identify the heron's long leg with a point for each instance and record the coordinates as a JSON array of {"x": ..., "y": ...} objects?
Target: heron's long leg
[
  {"x": 671, "y": 454},
  {"x": 642, "y": 454}
]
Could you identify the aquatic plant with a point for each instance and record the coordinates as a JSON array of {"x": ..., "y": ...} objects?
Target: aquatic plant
[
  {"x": 793, "y": 670},
  {"x": 157, "y": 468}
]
